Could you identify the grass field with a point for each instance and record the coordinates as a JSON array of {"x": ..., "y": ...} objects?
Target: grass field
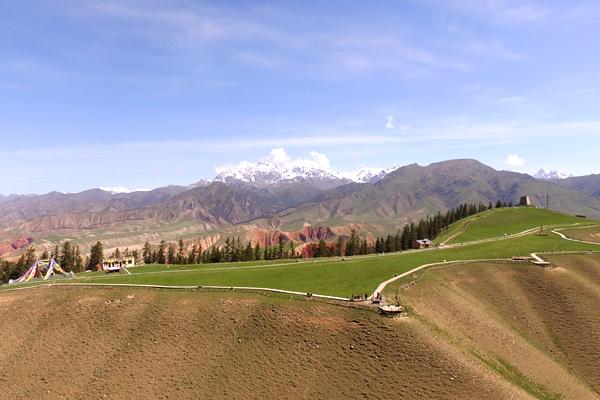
[
  {"x": 357, "y": 275},
  {"x": 509, "y": 221},
  {"x": 332, "y": 277}
]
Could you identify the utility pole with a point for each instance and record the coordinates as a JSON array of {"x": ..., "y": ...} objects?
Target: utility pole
[{"x": 547, "y": 202}]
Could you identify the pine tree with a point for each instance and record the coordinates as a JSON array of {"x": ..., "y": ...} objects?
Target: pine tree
[
  {"x": 249, "y": 252},
  {"x": 78, "y": 262},
  {"x": 67, "y": 256},
  {"x": 257, "y": 252},
  {"x": 96, "y": 255},
  {"x": 171, "y": 258},
  {"x": 160, "y": 254},
  {"x": 147, "y": 253},
  {"x": 30, "y": 258},
  {"x": 364, "y": 247},
  {"x": 193, "y": 257},
  {"x": 181, "y": 259},
  {"x": 353, "y": 245},
  {"x": 280, "y": 252},
  {"x": 321, "y": 249},
  {"x": 55, "y": 253}
]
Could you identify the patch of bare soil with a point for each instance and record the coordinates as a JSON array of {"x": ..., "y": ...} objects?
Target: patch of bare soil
[
  {"x": 539, "y": 328},
  {"x": 138, "y": 344},
  {"x": 587, "y": 234}
]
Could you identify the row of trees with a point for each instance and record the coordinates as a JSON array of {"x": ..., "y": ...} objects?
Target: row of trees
[
  {"x": 232, "y": 250},
  {"x": 427, "y": 228},
  {"x": 70, "y": 258}
]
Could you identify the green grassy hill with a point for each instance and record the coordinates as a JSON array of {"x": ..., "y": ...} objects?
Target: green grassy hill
[
  {"x": 501, "y": 221},
  {"x": 362, "y": 274}
]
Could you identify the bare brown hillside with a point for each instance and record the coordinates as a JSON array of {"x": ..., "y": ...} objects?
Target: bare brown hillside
[
  {"x": 540, "y": 328},
  {"x": 479, "y": 331},
  {"x": 94, "y": 344}
]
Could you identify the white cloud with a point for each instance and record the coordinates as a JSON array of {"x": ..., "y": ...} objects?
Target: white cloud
[
  {"x": 226, "y": 32},
  {"x": 320, "y": 160},
  {"x": 514, "y": 162},
  {"x": 389, "y": 124},
  {"x": 280, "y": 158}
]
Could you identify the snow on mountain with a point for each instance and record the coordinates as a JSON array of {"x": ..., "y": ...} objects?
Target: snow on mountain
[
  {"x": 266, "y": 173},
  {"x": 279, "y": 167},
  {"x": 121, "y": 189},
  {"x": 367, "y": 174},
  {"x": 548, "y": 174}
]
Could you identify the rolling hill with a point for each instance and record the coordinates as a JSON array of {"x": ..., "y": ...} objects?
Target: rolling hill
[
  {"x": 589, "y": 184},
  {"x": 488, "y": 329},
  {"x": 413, "y": 192}
]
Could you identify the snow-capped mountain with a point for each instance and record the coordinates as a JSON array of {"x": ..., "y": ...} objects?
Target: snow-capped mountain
[
  {"x": 264, "y": 173},
  {"x": 548, "y": 174},
  {"x": 367, "y": 174}
]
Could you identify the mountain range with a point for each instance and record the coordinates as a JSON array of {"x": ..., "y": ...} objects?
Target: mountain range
[
  {"x": 549, "y": 174},
  {"x": 263, "y": 201},
  {"x": 265, "y": 173}
]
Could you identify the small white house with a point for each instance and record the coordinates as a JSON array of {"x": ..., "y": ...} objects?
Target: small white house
[{"x": 116, "y": 264}]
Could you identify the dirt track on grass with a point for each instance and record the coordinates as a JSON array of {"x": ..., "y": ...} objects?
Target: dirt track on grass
[
  {"x": 543, "y": 323},
  {"x": 141, "y": 344}
]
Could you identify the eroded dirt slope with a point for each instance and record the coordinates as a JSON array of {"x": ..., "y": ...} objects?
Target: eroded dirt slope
[
  {"x": 540, "y": 328},
  {"x": 95, "y": 344}
]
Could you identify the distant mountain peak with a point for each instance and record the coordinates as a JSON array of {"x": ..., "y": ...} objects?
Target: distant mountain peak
[
  {"x": 122, "y": 189},
  {"x": 264, "y": 173},
  {"x": 368, "y": 174},
  {"x": 549, "y": 174}
]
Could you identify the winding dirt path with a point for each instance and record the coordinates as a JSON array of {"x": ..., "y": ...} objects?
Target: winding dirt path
[{"x": 536, "y": 256}]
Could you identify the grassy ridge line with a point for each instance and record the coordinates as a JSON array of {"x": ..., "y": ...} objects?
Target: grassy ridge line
[
  {"x": 502, "y": 221},
  {"x": 336, "y": 277},
  {"x": 360, "y": 274},
  {"x": 344, "y": 278}
]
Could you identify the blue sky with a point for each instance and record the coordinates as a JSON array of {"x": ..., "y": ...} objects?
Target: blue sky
[{"x": 148, "y": 93}]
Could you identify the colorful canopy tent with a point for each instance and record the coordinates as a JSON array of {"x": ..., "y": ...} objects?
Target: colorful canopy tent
[{"x": 42, "y": 269}]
